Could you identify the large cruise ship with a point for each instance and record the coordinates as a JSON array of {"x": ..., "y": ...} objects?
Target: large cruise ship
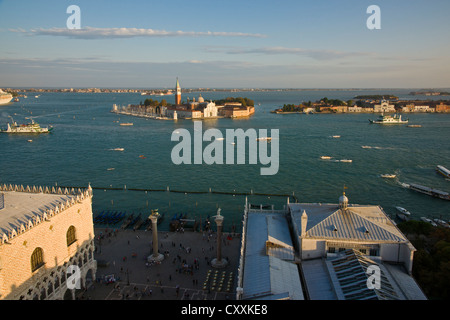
[{"x": 5, "y": 97}]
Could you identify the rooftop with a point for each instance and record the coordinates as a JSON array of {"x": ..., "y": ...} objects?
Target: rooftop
[
  {"x": 355, "y": 222},
  {"x": 20, "y": 207},
  {"x": 23, "y": 208},
  {"x": 269, "y": 271}
]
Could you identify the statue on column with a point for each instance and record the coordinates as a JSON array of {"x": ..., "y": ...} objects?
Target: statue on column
[
  {"x": 219, "y": 262},
  {"x": 156, "y": 256}
]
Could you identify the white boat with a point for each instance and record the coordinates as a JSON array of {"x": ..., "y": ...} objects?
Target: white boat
[
  {"x": 325, "y": 157},
  {"x": 335, "y": 137},
  {"x": 388, "y": 176},
  {"x": 425, "y": 219},
  {"x": 5, "y": 97},
  {"x": 441, "y": 222},
  {"x": 386, "y": 119},
  {"x": 403, "y": 210},
  {"x": 403, "y": 213},
  {"x": 126, "y": 124},
  {"x": 118, "y": 149},
  {"x": 346, "y": 160},
  {"x": 443, "y": 170}
]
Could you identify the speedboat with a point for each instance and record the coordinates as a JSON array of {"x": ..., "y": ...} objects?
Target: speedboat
[
  {"x": 425, "y": 219},
  {"x": 387, "y": 175},
  {"x": 404, "y": 214}
]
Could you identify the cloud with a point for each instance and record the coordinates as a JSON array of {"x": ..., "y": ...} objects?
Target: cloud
[
  {"x": 315, "y": 54},
  {"x": 109, "y": 33}
]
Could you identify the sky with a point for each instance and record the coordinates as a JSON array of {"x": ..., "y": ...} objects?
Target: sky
[{"x": 225, "y": 44}]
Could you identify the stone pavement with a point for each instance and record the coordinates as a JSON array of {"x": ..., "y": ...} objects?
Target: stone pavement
[{"x": 184, "y": 274}]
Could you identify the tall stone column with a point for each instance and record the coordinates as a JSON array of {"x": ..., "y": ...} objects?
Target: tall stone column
[
  {"x": 156, "y": 256},
  {"x": 219, "y": 262}
]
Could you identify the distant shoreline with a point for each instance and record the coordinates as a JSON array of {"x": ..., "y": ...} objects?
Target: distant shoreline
[{"x": 188, "y": 90}]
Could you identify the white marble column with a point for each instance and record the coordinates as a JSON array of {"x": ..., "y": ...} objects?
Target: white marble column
[{"x": 156, "y": 256}]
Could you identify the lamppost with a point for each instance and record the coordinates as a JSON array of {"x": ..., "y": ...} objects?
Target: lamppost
[{"x": 219, "y": 262}]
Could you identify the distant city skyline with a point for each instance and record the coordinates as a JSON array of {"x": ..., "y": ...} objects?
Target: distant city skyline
[{"x": 232, "y": 44}]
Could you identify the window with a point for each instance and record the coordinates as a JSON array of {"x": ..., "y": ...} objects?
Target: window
[
  {"x": 71, "y": 235},
  {"x": 37, "y": 259}
]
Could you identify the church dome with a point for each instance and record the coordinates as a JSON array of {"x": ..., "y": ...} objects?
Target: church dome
[
  {"x": 343, "y": 201},
  {"x": 200, "y": 99}
]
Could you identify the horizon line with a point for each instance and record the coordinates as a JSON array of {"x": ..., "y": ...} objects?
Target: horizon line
[{"x": 224, "y": 88}]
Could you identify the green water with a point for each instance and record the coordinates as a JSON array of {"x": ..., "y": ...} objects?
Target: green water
[{"x": 78, "y": 152}]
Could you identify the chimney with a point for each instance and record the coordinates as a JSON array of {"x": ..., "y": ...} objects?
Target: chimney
[{"x": 304, "y": 221}]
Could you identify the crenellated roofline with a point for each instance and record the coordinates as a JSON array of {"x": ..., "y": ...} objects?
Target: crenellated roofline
[{"x": 77, "y": 196}]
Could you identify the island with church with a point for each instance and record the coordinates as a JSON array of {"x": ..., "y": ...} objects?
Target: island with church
[{"x": 196, "y": 109}]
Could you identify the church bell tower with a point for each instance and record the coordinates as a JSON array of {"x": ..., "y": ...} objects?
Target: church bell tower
[{"x": 178, "y": 94}]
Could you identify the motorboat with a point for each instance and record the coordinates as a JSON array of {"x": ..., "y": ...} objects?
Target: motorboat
[{"x": 403, "y": 214}]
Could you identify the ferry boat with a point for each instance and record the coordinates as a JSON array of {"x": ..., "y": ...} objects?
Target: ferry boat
[
  {"x": 429, "y": 191},
  {"x": 403, "y": 213},
  {"x": 32, "y": 127},
  {"x": 443, "y": 170},
  {"x": 386, "y": 119},
  {"x": 5, "y": 97}
]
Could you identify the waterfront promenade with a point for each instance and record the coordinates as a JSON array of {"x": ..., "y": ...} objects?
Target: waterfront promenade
[{"x": 122, "y": 255}]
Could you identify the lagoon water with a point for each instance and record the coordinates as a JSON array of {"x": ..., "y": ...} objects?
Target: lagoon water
[{"x": 80, "y": 151}]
